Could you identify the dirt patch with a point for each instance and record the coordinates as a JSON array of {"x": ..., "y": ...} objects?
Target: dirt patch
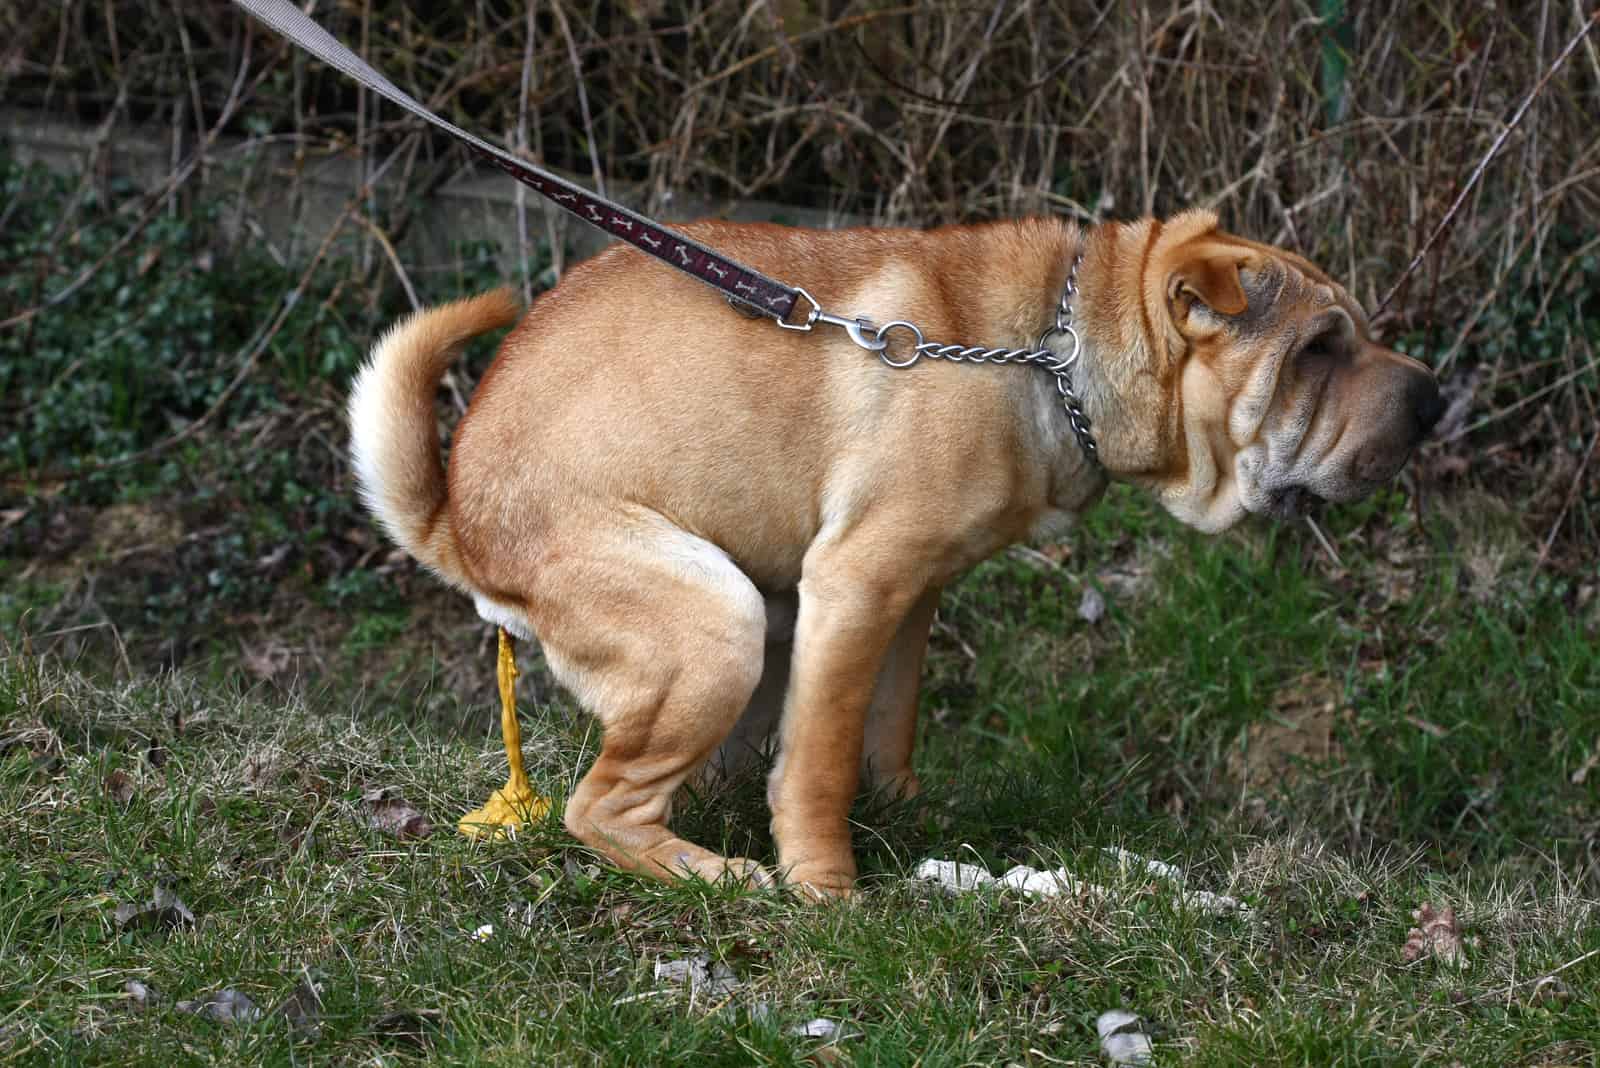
[
  {"x": 61, "y": 541},
  {"x": 123, "y": 530},
  {"x": 1299, "y": 732}
]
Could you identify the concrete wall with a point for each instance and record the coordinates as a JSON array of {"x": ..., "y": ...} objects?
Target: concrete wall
[{"x": 289, "y": 203}]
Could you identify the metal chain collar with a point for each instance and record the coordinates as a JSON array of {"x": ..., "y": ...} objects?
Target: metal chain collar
[{"x": 875, "y": 338}]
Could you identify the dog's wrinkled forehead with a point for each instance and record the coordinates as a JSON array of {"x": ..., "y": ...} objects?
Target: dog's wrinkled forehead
[{"x": 1279, "y": 284}]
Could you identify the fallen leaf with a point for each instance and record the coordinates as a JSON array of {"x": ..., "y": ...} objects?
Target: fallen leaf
[
  {"x": 119, "y": 787},
  {"x": 1057, "y": 552},
  {"x": 164, "y": 910},
  {"x": 303, "y": 1009},
  {"x": 392, "y": 814},
  {"x": 832, "y": 1033},
  {"x": 1437, "y": 934},
  {"x": 419, "y": 1027},
  {"x": 140, "y": 996},
  {"x": 1428, "y": 727},
  {"x": 225, "y": 1006},
  {"x": 827, "y": 1056}
]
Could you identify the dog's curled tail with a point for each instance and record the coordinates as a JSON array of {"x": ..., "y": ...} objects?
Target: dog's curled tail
[{"x": 394, "y": 435}]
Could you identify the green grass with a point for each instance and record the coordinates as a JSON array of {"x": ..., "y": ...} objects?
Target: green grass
[
  {"x": 209, "y": 659},
  {"x": 1459, "y": 716}
]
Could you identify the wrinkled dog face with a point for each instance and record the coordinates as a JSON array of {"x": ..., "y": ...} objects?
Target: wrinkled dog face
[
  {"x": 1345, "y": 413},
  {"x": 1283, "y": 395}
]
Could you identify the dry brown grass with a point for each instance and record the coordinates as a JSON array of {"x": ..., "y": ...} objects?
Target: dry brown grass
[{"x": 933, "y": 112}]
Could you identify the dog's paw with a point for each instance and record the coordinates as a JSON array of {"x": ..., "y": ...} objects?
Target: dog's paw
[
  {"x": 689, "y": 861},
  {"x": 821, "y": 884},
  {"x": 742, "y": 871}
]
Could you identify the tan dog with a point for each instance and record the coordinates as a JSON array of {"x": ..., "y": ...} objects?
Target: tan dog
[{"x": 645, "y": 478}]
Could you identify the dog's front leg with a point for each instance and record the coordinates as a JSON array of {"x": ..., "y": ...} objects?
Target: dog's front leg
[
  {"x": 853, "y": 599},
  {"x": 891, "y": 728}
]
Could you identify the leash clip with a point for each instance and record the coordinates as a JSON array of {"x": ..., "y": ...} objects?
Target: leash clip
[{"x": 857, "y": 327}]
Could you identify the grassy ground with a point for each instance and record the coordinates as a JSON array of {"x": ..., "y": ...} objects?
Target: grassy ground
[
  {"x": 1334, "y": 745},
  {"x": 217, "y": 683}
]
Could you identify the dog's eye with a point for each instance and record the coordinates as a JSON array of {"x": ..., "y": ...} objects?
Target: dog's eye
[{"x": 1325, "y": 345}]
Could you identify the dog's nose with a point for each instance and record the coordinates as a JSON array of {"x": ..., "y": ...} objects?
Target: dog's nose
[{"x": 1426, "y": 403}]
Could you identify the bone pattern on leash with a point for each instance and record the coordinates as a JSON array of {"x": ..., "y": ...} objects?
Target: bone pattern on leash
[{"x": 636, "y": 232}]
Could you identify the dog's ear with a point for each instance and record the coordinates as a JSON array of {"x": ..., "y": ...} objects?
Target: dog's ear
[{"x": 1209, "y": 278}]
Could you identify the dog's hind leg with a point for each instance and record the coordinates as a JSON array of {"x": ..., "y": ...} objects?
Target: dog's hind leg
[
  {"x": 754, "y": 739},
  {"x": 660, "y": 636}
]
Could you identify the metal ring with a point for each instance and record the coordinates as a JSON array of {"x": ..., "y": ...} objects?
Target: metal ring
[
  {"x": 1065, "y": 331},
  {"x": 1060, "y": 366},
  {"x": 916, "y": 349}
]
